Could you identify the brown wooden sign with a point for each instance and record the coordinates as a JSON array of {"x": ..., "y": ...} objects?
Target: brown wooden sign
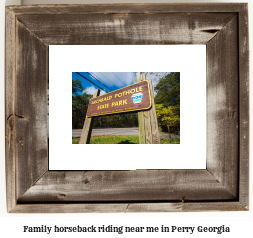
[{"x": 135, "y": 97}]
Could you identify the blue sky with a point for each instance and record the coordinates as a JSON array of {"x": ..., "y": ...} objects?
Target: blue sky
[{"x": 113, "y": 80}]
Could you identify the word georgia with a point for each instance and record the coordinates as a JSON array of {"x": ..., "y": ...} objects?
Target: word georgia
[{"x": 191, "y": 229}]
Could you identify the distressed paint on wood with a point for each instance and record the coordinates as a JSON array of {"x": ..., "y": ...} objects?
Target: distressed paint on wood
[
  {"x": 87, "y": 126},
  {"x": 129, "y": 207},
  {"x": 153, "y": 185},
  {"x": 244, "y": 106},
  {"x": 153, "y": 8},
  {"x": 185, "y": 206},
  {"x": 133, "y": 29},
  {"x": 30, "y": 109},
  {"x": 10, "y": 65},
  {"x": 222, "y": 107}
]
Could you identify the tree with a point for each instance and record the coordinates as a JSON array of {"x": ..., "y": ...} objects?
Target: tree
[
  {"x": 167, "y": 114},
  {"x": 117, "y": 120},
  {"x": 168, "y": 90},
  {"x": 167, "y": 101},
  {"x": 77, "y": 87},
  {"x": 80, "y": 104}
]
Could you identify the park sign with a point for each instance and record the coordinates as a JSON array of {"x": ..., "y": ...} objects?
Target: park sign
[{"x": 135, "y": 97}]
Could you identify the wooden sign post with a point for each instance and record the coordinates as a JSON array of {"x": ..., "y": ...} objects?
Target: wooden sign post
[
  {"x": 87, "y": 126},
  {"x": 135, "y": 97},
  {"x": 148, "y": 126}
]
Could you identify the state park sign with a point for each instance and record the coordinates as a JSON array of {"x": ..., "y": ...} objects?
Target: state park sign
[{"x": 135, "y": 97}]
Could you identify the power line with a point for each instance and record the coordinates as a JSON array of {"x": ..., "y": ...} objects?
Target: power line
[
  {"x": 118, "y": 78},
  {"x": 99, "y": 80},
  {"x": 93, "y": 75},
  {"x": 107, "y": 78},
  {"x": 99, "y": 77},
  {"x": 91, "y": 82}
]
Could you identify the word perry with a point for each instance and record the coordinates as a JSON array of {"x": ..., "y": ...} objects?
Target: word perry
[{"x": 182, "y": 229}]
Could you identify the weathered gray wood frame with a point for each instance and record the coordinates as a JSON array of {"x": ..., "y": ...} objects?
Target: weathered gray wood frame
[{"x": 222, "y": 186}]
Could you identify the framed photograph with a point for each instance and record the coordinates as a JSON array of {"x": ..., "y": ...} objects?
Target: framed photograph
[
  {"x": 223, "y": 185},
  {"x": 175, "y": 58}
]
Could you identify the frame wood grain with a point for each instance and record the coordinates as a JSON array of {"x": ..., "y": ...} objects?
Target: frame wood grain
[{"x": 222, "y": 186}]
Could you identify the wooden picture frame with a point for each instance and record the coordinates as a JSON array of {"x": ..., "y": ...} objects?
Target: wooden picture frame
[{"x": 222, "y": 186}]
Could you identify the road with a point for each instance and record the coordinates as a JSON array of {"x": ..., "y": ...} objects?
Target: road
[{"x": 133, "y": 131}]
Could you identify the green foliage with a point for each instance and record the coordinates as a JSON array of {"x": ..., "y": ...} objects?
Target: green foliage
[
  {"x": 80, "y": 104},
  {"x": 168, "y": 90},
  {"x": 170, "y": 141},
  {"x": 114, "y": 139},
  {"x": 110, "y": 139},
  {"x": 121, "y": 120},
  {"x": 167, "y": 114},
  {"x": 122, "y": 140},
  {"x": 167, "y": 102},
  {"x": 79, "y": 109},
  {"x": 77, "y": 86}
]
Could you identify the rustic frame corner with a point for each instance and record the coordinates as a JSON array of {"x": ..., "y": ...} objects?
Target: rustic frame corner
[{"x": 222, "y": 186}]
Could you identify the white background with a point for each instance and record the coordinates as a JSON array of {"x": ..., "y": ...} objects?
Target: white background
[
  {"x": 11, "y": 224},
  {"x": 189, "y": 154}
]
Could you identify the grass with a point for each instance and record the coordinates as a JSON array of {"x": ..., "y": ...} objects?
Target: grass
[
  {"x": 168, "y": 141},
  {"x": 122, "y": 140}
]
